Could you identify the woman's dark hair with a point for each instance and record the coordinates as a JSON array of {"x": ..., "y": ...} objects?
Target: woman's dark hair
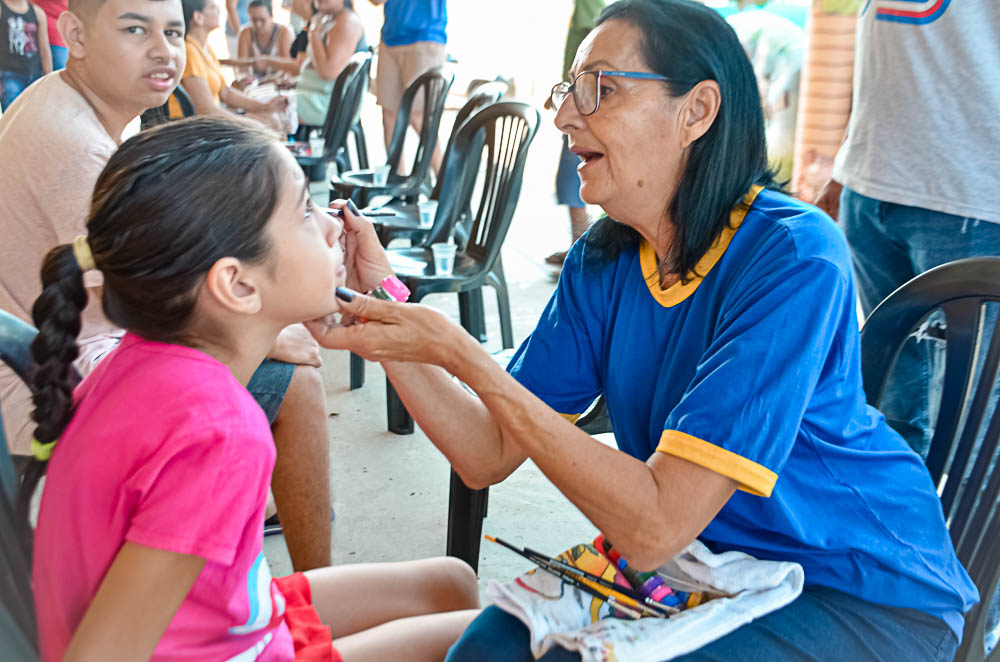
[
  {"x": 687, "y": 42},
  {"x": 170, "y": 203},
  {"x": 266, "y": 4},
  {"x": 190, "y": 7}
]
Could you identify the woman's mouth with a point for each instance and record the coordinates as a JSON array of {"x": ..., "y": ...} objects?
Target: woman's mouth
[{"x": 587, "y": 157}]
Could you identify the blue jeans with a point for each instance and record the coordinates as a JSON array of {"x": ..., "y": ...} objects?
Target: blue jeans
[
  {"x": 821, "y": 624},
  {"x": 892, "y": 244},
  {"x": 59, "y": 56},
  {"x": 268, "y": 385},
  {"x": 12, "y": 84}
]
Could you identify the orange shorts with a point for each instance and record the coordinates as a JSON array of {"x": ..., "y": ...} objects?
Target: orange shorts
[{"x": 312, "y": 639}]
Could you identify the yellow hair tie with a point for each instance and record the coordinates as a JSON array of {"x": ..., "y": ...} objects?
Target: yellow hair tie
[
  {"x": 81, "y": 251},
  {"x": 42, "y": 452}
]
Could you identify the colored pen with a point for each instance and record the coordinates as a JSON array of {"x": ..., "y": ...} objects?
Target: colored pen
[
  {"x": 598, "y": 587},
  {"x": 367, "y": 214},
  {"x": 661, "y": 609}
]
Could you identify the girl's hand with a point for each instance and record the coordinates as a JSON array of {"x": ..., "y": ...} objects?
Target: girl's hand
[
  {"x": 366, "y": 262},
  {"x": 391, "y": 331}
]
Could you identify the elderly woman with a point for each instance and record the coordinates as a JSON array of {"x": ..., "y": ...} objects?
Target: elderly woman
[{"x": 717, "y": 316}]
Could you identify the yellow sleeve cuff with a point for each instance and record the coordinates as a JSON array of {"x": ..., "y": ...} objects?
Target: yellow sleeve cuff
[
  {"x": 752, "y": 477},
  {"x": 572, "y": 418}
]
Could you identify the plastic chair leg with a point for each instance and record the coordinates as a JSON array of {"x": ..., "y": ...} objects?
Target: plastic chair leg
[
  {"x": 470, "y": 313},
  {"x": 466, "y": 509},
  {"x": 357, "y": 371},
  {"x": 499, "y": 283},
  {"x": 400, "y": 420}
]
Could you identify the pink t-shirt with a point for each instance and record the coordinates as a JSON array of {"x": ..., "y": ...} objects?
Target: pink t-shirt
[{"x": 167, "y": 450}]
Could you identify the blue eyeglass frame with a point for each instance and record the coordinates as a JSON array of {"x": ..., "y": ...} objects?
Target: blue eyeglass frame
[{"x": 571, "y": 90}]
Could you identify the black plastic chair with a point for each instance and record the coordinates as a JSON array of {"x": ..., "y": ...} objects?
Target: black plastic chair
[
  {"x": 358, "y": 185},
  {"x": 343, "y": 119},
  {"x": 498, "y": 135},
  {"x": 960, "y": 290},
  {"x": 17, "y": 606},
  {"x": 406, "y": 223},
  {"x": 161, "y": 114}
]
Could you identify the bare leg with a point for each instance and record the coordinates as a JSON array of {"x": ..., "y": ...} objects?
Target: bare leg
[
  {"x": 388, "y": 122},
  {"x": 423, "y": 638},
  {"x": 355, "y": 598},
  {"x": 416, "y": 119},
  {"x": 301, "y": 479}
]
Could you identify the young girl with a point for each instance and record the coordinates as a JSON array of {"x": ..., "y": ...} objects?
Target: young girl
[
  {"x": 24, "y": 48},
  {"x": 149, "y": 535}
]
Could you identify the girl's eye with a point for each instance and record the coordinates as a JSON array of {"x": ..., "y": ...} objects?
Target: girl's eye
[
  {"x": 309, "y": 209},
  {"x": 605, "y": 90}
]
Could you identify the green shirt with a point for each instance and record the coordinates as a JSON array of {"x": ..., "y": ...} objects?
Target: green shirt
[{"x": 585, "y": 13}]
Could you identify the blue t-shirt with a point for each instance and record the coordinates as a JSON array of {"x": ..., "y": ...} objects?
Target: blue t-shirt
[
  {"x": 754, "y": 371},
  {"x": 410, "y": 21}
]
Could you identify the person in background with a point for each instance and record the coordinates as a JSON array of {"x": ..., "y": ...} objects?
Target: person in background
[
  {"x": 585, "y": 13},
  {"x": 24, "y": 48},
  {"x": 57, "y": 45},
  {"x": 334, "y": 34},
  {"x": 263, "y": 37},
  {"x": 203, "y": 79},
  {"x": 914, "y": 183},
  {"x": 237, "y": 15},
  {"x": 126, "y": 57},
  {"x": 413, "y": 41}
]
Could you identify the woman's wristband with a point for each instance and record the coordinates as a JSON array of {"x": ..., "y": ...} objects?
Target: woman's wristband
[{"x": 391, "y": 289}]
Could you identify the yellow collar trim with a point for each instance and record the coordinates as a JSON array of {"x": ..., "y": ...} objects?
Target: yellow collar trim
[{"x": 678, "y": 292}]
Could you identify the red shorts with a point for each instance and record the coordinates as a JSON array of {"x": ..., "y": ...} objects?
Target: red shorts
[{"x": 312, "y": 639}]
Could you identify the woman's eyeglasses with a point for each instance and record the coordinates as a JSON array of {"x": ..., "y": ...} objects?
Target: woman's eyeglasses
[{"x": 586, "y": 88}]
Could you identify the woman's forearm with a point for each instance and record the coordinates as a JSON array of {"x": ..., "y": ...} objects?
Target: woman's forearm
[
  {"x": 650, "y": 510},
  {"x": 235, "y": 99},
  {"x": 456, "y": 422},
  {"x": 288, "y": 65}
]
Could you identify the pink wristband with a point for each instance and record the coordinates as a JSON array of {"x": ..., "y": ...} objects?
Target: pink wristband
[{"x": 395, "y": 288}]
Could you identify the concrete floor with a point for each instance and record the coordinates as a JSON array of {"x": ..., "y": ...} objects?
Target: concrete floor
[{"x": 390, "y": 492}]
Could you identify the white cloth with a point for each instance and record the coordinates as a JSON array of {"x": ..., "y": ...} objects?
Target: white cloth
[{"x": 754, "y": 588}]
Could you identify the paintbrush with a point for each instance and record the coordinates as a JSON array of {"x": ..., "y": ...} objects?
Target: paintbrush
[{"x": 615, "y": 595}]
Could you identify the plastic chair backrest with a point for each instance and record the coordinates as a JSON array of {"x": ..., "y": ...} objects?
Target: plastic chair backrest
[
  {"x": 345, "y": 102},
  {"x": 960, "y": 290},
  {"x": 434, "y": 84},
  {"x": 482, "y": 96},
  {"x": 501, "y": 133},
  {"x": 17, "y": 610}
]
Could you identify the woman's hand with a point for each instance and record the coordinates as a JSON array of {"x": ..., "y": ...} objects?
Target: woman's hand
[
  {"x": 388, "y": 331},
  {"x": 366, "y": 262},
  {"x": 277, "y": 105},
  {"x": 295, "y": 345},
  {"x": 829, "y": 198}
]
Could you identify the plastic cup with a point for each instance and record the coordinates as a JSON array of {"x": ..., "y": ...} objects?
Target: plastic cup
[
  {"x": 381, "y": 175},
  {"x": 444, "y": 258},
  {"x": 427, "y": 211}
]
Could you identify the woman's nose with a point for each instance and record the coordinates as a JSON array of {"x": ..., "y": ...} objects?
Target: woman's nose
[{"x": 567, "y": 116}]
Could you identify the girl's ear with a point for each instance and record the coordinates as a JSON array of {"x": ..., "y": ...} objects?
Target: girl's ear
[{"x": 233, "y": 287}]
